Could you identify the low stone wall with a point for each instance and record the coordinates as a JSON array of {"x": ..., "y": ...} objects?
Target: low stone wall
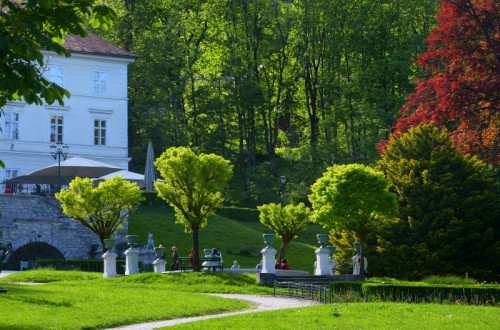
[{"x": 30, "y": 218}]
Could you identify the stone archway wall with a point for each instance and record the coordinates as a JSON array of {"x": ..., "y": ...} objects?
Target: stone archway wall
[
  {"x": 33, "y": 251},
  {"x": 28, "y": 219}
]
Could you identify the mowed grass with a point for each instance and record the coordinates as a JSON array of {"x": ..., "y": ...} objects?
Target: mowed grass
[
  {"x": 98, "y": 303},
  {"x": 236, "y": 240},
  {"x": 361, "y": 316}
]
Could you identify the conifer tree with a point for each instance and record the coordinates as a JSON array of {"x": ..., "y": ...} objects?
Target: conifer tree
[{"x": 448, "y": 215}]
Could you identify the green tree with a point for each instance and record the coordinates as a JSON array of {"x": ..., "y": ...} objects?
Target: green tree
[
  {"x": 286, "y": 222},
  {"x": 354, "y": 198},
  {"x": 192, "y": 186},
  {"x": 27, "y": 27},
  {"x": 448, "y": 216},
  {"x": 102, "y": 209}
]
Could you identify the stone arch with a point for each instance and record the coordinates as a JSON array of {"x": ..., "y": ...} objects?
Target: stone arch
[{"x": 33, "y": 251}]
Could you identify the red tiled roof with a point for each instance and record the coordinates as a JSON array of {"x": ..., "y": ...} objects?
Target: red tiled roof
[{"x": 94, "y": 45}]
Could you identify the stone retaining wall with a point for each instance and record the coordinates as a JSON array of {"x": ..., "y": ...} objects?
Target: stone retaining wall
[{"x": 30, "y": 218}]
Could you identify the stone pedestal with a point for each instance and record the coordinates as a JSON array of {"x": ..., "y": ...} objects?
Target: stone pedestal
[
  {"x": 131, "y": 261},
  {"x": 322, "y": 261},
  {"x": 109, "y": 259},
  {"x": 268, "y": 255},
  {"x": 159, "y": 265},
  {"x": 332, "y": 263}
]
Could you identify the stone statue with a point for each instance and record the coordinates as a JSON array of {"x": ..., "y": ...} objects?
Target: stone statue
[
  {"x": 235, "y": 265},
  {"x": 151, "y": 243}
]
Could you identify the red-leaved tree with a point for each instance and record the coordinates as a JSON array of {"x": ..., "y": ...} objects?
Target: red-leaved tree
[{"x": 462, "y": 92}]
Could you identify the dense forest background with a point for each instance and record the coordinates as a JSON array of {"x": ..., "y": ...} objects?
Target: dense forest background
[{"x": 279, "y": 87}]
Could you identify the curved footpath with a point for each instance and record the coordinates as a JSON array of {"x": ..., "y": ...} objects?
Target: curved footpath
[{"x": 263, "y": 303}]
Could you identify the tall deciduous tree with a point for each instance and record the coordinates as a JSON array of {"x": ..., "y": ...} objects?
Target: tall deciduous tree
[
  {"x": 27, "y": 27},
  {"x": 192, "y": 186},
  {"x": 353, "y": 198},
  {"x": 286, "y": 222},
  {"x": 462, "y": 93},
  {"x": 101, "y": 209},
  {"x": 448, "y": 215}
]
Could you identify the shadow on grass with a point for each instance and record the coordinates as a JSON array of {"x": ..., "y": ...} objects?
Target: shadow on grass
[{"x": 25, "y": 295}]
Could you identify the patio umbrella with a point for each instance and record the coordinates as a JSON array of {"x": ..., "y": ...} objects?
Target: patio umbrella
[
  {"x": 127, "y": 175},
  {"x": 150, "y": 171},
  {"x": 70, "y": 169}
]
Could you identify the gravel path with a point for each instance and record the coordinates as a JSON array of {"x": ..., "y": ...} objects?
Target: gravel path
[{"x": 263, "y": 303}]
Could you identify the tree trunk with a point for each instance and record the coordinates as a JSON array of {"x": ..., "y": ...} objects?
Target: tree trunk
[
  {"x": 284, "y": 244},
  {"x": 196, "y": 255}
]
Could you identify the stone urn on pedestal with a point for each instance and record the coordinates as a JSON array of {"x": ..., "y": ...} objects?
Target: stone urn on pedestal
[
  {"x": 131, "y": 256},
  {"x": 268, "y": 255},
  {"x": 322, "y": 256},
  {"x": 159, "y": 264},
  {"x": 332, "y": 263},
  {"x": 109, "y": 259}
]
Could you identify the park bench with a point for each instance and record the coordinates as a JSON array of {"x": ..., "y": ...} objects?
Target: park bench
[{"x": 214, "y": 262}]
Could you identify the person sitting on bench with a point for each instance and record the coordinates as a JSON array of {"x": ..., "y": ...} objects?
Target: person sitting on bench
[{"x": 216, "y": 253}]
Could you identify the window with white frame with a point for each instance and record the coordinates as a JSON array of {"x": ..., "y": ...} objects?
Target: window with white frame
[
  {"x": 11, "y": 173},
  {"x": 56, "y": 75},
  {"x": 11, "y": 129},
  {"x": 100, "y": 132},
  {"x": 100, "y": 83},
  {"x": 56, "y": 129}
]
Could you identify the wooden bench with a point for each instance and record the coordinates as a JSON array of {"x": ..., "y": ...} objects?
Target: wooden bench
[{"x": 215, "y": 262}]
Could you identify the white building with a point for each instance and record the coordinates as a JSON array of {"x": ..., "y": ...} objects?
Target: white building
[{"x": 92, "y": 123}]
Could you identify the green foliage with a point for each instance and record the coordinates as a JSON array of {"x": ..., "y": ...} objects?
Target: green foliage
[
  {"x": 30, "y": 26},
  {"x": 102, "y": 209},
  {"x": 192, "y": 186},
  {"x": 286, "y": 222},
  {"x": 353, "y": 197},
  {"x": 450, "y": 279},
  {"x": 239, "y": 213},
  {"x": 84, "y": 265},
  {"x": 447, "y": 222},
  {"x": 49, "y": 274}
]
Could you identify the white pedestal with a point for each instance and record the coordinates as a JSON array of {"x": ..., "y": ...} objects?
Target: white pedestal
[
  {"x": 109, "y": 264},
  {"x": 322, "y": 261},
  {"x": 131, "y": 261},
  {"x": 159, "y": 265},
  {"x": 332, "y": 263},
  {"x": 268, "y": 255}
]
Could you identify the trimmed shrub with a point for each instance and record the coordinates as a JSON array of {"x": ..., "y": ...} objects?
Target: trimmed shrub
[{"x": 420, "y": 292}]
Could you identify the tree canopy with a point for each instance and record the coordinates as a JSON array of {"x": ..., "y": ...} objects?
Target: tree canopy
[
  {"x": 193, "y": 186},
  {"x": 102, "y": 209},
  {"x": 448, "y": 215},
  {"x": 286, "y": 222},
  {"x": 461, "y": 92},
  {"x": 353, "y": 198},
  {"x": 27, "y": 27}
]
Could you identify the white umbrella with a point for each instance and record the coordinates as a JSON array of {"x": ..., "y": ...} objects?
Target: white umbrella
[
  {"x": 70, "y": 169},
  {"x": 127, "y": 175},
  {"x": 150, "y": 171}
]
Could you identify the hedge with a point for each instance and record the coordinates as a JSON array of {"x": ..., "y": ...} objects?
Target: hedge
[
  {"x": 151, "y": 198},
  {"x": 239, "y": 214},
  {"x": 88, "y": 265},
  {"x": 418, "y": 292}
]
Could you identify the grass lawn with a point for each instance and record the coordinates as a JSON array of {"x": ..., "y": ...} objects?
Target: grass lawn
[
  {"x": 361, "y": 316},
  {"x": 75, "y": 300},
  {"x": 236, "y": 240}
]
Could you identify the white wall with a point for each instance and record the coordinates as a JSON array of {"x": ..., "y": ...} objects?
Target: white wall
[{"x": 32, "y": 150}]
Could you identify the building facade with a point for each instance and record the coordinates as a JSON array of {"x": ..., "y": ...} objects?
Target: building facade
[{"x": 92, "y": 123}]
